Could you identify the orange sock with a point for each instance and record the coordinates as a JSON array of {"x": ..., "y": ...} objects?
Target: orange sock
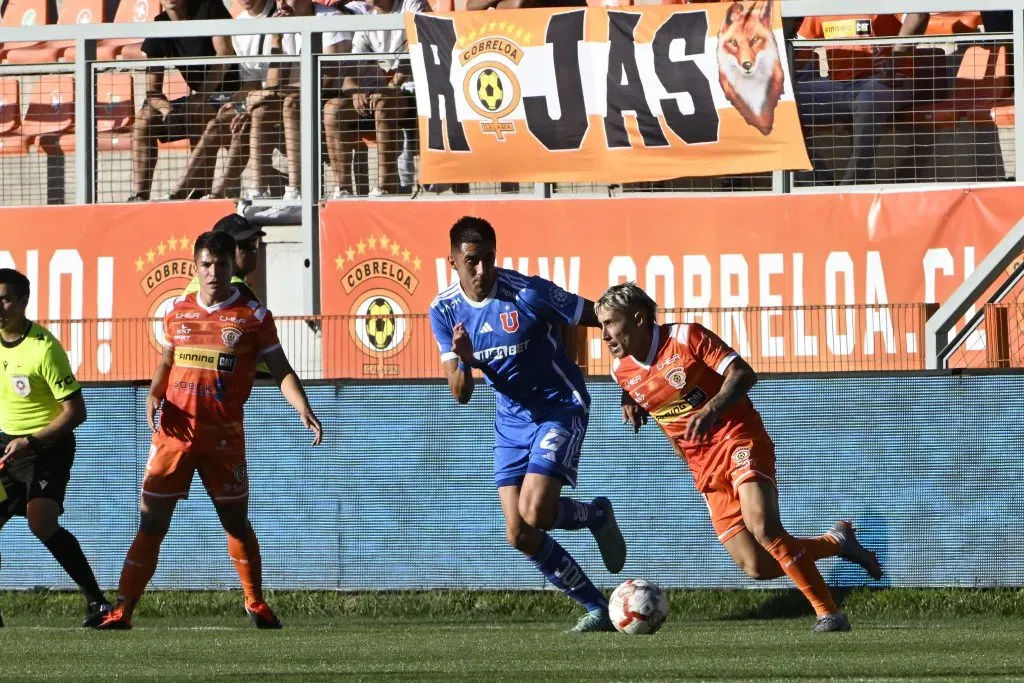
[
  {"x": 799, "y": 566},
  {"x": 821, "y": 547},
  {"x": 245, "y": 553},
  {"x": 139, "y": 565}
]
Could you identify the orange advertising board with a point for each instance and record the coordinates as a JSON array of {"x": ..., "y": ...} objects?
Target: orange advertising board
[
  {"x": 856, "y": 256},
  {"x": 107, "y": 265},
  {"x": 604, "y": 94}
]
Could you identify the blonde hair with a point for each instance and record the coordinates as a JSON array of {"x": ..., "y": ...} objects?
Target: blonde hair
[{"x": 627, "y": 298}]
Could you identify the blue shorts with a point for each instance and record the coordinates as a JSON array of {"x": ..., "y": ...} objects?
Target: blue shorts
[{"x": 551, "y": 448}]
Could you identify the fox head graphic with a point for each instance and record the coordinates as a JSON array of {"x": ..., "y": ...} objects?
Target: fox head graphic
[{"x": 749, "y": 66}]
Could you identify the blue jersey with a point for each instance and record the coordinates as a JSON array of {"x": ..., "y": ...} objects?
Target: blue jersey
[{"x": 514, "y": 337}]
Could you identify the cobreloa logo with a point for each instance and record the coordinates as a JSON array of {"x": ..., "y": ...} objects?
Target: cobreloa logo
[
  {"x": 164, "y": 271},
  {"x": 381, "y": 275}
]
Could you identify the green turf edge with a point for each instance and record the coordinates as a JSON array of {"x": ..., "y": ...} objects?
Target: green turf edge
[{"x": 707, "y": 605}]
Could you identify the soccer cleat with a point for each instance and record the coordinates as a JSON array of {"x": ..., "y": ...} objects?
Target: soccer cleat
[
  {"x": 609, "y": 538},
  {"x": 115, "y": 620},
  {"x": 96, "y": 612},
  {"x": 852, "y": 551},
  {"x": 593, "y": 622},
  {"x": 832, "y": 623},
  {"x": 262, "y": 615}
]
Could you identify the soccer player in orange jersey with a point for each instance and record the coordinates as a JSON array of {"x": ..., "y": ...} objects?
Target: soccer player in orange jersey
[
  {"x": 214, "y": 339},
  {"x": 696, "y": 387}
]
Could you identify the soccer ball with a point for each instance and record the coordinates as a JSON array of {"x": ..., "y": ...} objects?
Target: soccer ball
[{"x": 638, "y": 607}]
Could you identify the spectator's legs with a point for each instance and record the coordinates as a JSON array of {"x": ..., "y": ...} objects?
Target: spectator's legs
[
  {"x": 822, "y": 102},
  {"x": 386, "y": 118},
  {"x": 293, "y": 139},
  {"x": 874, "y": 104},
  {"x": 210, "y": 129},
  {"x": 144, "y": 151},
  {"x": 340, "y": 128},
  {"x": 240, "y": 131}
]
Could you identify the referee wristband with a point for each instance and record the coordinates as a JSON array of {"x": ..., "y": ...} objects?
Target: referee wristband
[{"x": 35, "y": 444}]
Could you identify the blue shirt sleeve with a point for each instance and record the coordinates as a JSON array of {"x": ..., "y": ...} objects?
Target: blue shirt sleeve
[
  {"x": 550, "y": 302},
  {"x": 442, "y": 333}
]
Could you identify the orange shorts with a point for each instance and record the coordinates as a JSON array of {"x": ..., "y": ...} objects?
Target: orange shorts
[
  {"x": 747, "y": 459},
  {"x": 170, "y": 469}
]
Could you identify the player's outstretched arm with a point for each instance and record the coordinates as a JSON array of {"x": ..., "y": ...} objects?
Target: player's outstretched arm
[
  {"x": 459, "y": 370},
  {"x": 291, "y": 389},
  {"x": 158, "y": 387},
  {"x": 588, "y": 317},
  {"x": 739, "y": 379}
]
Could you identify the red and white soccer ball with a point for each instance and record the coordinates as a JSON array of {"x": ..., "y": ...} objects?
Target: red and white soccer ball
[{"x": 638, "y": 607}]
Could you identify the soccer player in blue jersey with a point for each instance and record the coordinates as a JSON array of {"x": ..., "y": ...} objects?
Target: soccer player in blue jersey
[{"x": 505, "y": 325}]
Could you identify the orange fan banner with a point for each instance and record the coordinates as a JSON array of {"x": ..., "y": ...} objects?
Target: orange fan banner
[{"x": 603, "y": 94}]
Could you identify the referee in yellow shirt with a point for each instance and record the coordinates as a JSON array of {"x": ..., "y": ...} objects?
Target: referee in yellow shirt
[{"x": 40, "y": 405}]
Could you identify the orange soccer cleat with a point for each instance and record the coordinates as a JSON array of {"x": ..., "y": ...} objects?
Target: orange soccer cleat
[{"x": 262, "y": 615}]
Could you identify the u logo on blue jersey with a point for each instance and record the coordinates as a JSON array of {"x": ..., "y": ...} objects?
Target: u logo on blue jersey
[{"x": 510, "y": 321}]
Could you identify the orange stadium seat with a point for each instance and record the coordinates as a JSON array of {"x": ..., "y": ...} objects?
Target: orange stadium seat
[
  {"x": 1004, "y": 116},
  {"x": 115, "y": 113},
  {"x": 10, "y": 105},
  {"x": 51, "y": 109},
  {"x": 128, "y": 12},
  {"x": 73, "y": 12},
  {"x": 23, "y": 13},
  {"x": 948, "y": 23},
  {"x": 981, "y": 83}
]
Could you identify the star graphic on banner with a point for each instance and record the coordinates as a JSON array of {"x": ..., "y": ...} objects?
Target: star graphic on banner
[
  {"x": 395, "y": 248},
  {"x": 172, "y": 243},
  {"x": 185, "y": 244},
  {"x": 527, "y": 37},
  {"x": 491, "y": 26},
  {"x": 405, "y": 256},
  {"x": 361, "y": 246},
  {"x": 161, "y": 248},
  {"x": 138, "y": 264},
  {"x": 502, "y": 25},
  {"x": 416, "y": 263},
  {"x": 150, "y": 255},
  {"x": 350, "y": 254},
  {"x": 471, "y": 37},
  {"x": 384, "y": 242},
  {"x": 372, "y": 241},
  {"x": 518, "y": 33},
  {"x": 339, "y": 262}
]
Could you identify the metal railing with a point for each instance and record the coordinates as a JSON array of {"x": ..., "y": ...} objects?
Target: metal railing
[{"x": 401, "y": 347}]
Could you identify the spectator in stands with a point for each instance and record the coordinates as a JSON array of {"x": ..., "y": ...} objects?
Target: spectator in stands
[
  {"x": 375, "y": 93},
  {"x": 862, "y": 87},
  {"x": 522, "y": 4},
  {"x": 165, "y": 121},
  {"x": 273, "y": 96}
]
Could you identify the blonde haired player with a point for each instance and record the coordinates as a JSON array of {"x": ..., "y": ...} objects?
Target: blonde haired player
[{"x": 696, "y": 387}]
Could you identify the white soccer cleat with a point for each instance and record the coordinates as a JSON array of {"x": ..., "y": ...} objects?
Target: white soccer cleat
[
  {"x": 832, "y": 623},
  {"x": 851, "y": 550}
]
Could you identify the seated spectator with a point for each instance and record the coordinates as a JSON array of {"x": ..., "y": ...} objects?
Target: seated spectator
[
  {"x": 862, "y": 88},
  {"x": 522, "y": 4},
  {"x": 166, "y": 121},
  {"x": 272, "y": 97},
  {"x": 377, "y": 95}
]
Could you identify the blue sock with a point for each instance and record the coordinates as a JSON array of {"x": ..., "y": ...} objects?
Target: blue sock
[
  {"x": 572, "y": 514},
  {"x": 559, "y": 567}
]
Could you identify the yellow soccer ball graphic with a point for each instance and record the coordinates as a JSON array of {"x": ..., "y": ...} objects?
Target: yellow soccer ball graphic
[
  {"x": 380, "y": 323},
  {"x": 489, "y": 90}
]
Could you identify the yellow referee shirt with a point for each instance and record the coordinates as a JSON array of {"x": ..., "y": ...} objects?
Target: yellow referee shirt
[{"x": 35, "y": 376}]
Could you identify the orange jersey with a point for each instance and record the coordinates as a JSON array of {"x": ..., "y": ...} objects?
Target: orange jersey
[
  {"x": 216, "y": 351},
  {"x": 684, "y": 369}
]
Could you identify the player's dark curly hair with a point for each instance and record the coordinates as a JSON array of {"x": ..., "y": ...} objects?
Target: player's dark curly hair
[
  {"x": 18, "y": 282},
  {"x": 217, "y": 243},
  {"x": 471, "y": 230}
]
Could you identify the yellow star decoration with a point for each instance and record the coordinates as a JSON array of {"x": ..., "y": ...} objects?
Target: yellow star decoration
[
  {"x": 350, "y": 253},
  {"x": 138, "y": 264},
  {"x": 161, "y": 248},
  {"x": 471, "y": 37},
  {"x": 172, "y": 243},
  {"x": 416, "y": 263},
  {"x": 518, "y": 33},
  {"x": 339, "y": 262},
  {"x": 405, "y": 256},
  {"x": 185, "y": 244},
  {"x": 361, "y": 246},
  {"x": 384, "y": 242},
  {"x": 395, "y": 248},
  {"x": 527, "y": 37},
  {"x": 150, "y": 255},
  {"x": 372, "y": 242},
  {"x": 491, "y": 26},
  {"x": 502, "y": 25}
]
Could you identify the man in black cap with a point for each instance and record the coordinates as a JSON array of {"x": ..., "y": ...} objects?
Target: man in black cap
[{"x": 248, "y": 238}]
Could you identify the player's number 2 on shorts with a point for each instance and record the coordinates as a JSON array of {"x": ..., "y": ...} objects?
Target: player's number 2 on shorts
[{"x": 553, "y": 440}]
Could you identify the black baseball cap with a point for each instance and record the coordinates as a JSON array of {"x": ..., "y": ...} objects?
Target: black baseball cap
[{"x": 238, "y": 227}]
